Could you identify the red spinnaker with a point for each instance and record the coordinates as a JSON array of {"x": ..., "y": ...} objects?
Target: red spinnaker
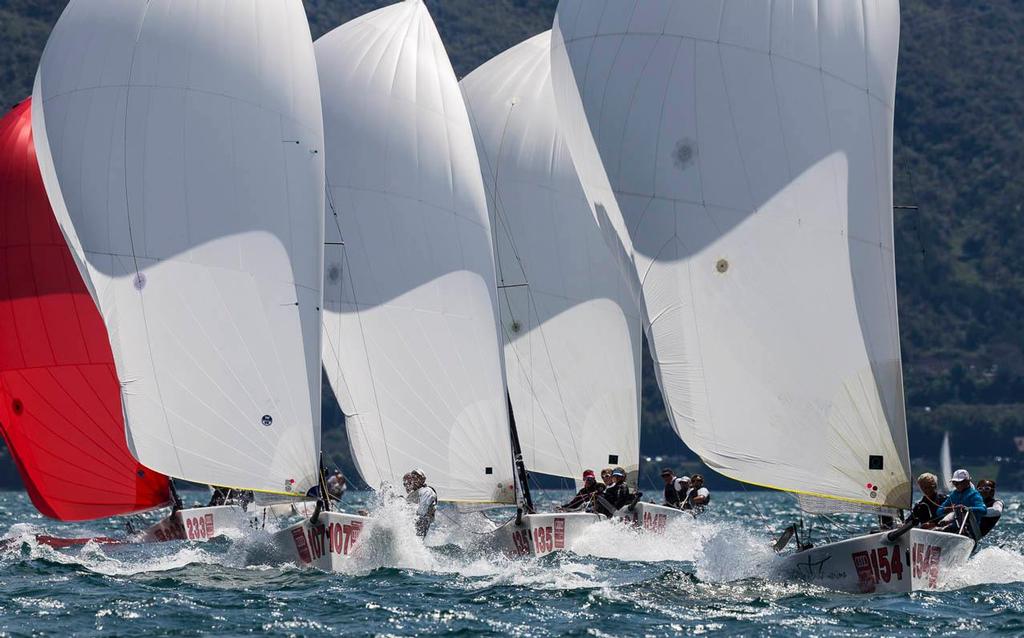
[{"x": 60, "y": 402}]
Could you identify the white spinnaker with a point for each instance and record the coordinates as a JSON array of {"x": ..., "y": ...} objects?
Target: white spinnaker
[
  {"x": 180, "y": 144},
  {"x": 741, "y": 152},
  {"x": 571, "y": 330},
  {"x": 410, "y": 324}
]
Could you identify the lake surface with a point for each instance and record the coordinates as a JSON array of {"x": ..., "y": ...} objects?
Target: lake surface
[{"x": 704, "y": 576}]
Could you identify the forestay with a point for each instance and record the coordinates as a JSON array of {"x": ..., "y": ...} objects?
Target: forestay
[
  {"x": 749, "y": 149},
  {"x": 60, "y": 405},
  {"x": 411, "y": 340},
  {"x": 180, "y": 144},
  {"x": 571, "y": 330}
]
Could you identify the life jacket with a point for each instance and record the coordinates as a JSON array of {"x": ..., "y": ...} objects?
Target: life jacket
[
  {"x": 691, "y": 494},
  {"x": 614, "y": 497},
  {"x": 672, "y": 496},
  {"x": 987, "y": 522}
]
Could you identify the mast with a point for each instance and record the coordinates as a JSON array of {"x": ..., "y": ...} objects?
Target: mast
[{"x": 522, "y": 478}]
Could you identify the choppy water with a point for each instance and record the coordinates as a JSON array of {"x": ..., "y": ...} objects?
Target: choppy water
[{"x": 702, "y": 576}]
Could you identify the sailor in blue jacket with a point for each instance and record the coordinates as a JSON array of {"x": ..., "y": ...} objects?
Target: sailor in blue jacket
[{"x": 965, "y": 498}]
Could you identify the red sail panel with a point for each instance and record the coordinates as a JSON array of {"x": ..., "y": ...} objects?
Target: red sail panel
[{"x": 60, "y": 402}]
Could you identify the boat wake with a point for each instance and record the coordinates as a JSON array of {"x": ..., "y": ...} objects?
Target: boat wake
[
  {"x": 127, "y": 559},
  {"x": 680, "y": 541},
  {"x": 710, "y": 552},
  {"x": 990, "y": 566}
]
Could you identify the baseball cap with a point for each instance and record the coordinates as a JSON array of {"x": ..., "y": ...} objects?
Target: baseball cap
[
  {"x": 667, "y": 471},
  {"x": 960, "y": 476},
  {"x": 588, "y": 474},
  {"x": 684, "y": 479},
  {"x": 618, "y": 472}
]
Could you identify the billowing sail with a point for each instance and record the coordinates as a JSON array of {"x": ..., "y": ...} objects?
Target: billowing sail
[
  {"x": 411, "y": 343},
  {"x": 741, "y": 153},
  {"x": 180, "y": 145},
  {"x": 60, "y": 407},
  {"x": 571, "y": 330}
]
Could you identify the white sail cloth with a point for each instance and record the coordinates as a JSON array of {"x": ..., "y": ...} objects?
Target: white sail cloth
[
  {"x": 411, "y": 343},
  {"x": 180, "y": 144},
  {"x": 571, "y": 330},
  {"x": 741, "y": 154}
]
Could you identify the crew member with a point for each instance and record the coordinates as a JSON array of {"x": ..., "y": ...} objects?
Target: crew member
[
  {"x": 698, "y": 496},
  {"x": 606, "y": 477},
  {"x": 675, "y": 487},
  {"x": 963, "y": 501},
  {"x": 925, "y": 511},
  {"x": 617, "y": 496},
  {"x": 228, "y": 496},
  {"x": 987, "y": 489},
  {"x": 585, "y": 497},
  {"x": 220, "y": 496},
  {"x": 424, "y": 497},
  {"x": 337, "y": 485}
]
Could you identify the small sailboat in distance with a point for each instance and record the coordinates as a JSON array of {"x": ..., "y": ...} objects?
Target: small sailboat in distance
[
  {"x": 945, "y": 463},
  {"x": 739, "y": 154},
  {"x": 180, "y": 147}
]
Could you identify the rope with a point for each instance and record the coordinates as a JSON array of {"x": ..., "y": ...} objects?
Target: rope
[{"x": 764, "y": 519}]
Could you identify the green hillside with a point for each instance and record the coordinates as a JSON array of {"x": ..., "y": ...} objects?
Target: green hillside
[{"x": 959, "y": 152}]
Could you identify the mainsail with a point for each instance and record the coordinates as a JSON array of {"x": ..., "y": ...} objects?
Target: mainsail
[
  {"x": 741, "y": 153},
  {"x": 571, "y": 330},
  {"x": 410, "y": 324},
  {"x": 60, "y": 408},
  {"x": 180, "y": 145}
]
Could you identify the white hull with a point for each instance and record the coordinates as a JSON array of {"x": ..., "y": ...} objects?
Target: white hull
[
  {"x": 541, "y": 534},
  {"x": 203, "y": 523},
  {"x": 650, "y": 517},
  {"x": 325, "y": 546},
  {"x": 919, "y": 560}
]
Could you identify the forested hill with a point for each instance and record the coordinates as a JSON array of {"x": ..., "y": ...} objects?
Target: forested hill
[{"x": 959, "y": 155}]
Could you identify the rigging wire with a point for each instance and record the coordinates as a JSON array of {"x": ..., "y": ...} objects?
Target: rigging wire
[
  {"x": 504, "y": 224},
  {"x": 346, "y": 268},
  {"x": 764, "y": 519}
]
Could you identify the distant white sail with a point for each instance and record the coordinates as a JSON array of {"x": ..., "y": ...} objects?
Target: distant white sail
[
  {"x": 945, "y": 463},
  {"x": 741, "y": 152},
  {"x": 410, "y": 325},
  {"x": 572, "y": 332},
  {"x": 180, "y": 144}
]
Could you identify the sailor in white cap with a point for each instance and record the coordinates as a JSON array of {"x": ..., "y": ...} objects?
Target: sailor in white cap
[
  {"x": 964, "y": 502},
  {"x": 423, "y": 497}
]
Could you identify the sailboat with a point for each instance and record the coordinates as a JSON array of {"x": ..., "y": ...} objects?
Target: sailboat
[
  {"x": 570, "y": 327},
  {"x": 410, "y": 343},
  {"x": 945, "y": 463},
  {"x": 739, "y": 156},
  {"x": 180, "y": 149},
  {"x": 60, "y": 410}
]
